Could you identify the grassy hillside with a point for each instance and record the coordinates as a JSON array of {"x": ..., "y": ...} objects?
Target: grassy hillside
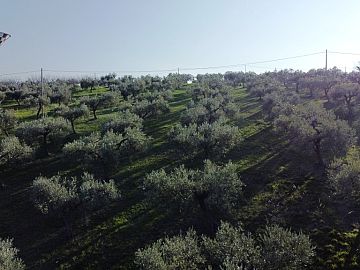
[{"x": 281, "y": 187}]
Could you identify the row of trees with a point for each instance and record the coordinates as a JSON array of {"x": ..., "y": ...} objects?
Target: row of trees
[
  {"x": 204, "y": 127},
  {"x": 205, "y": 131},
  {"x": 324, "y": 126},
  {"x": 319, "y": 114},
  {"x": 231, "y": 248}
]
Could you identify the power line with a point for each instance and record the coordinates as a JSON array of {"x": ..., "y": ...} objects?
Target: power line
[
  {"x": 185, "y": 68},
  {"x": 348, "y": 53},
  {"x": 285, "y": 58},
  {"x": 262, "y": 67},
  {"x": 109, "y": 71},
  {"x": 257, "y": 62},
  {"x": 18, "y": 73}
]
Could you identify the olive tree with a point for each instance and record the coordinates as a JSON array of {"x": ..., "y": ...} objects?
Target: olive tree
[
  {"x": 181, "y": 252},
  {"x": 122, "y": 121},
  {"x": 263, "y": 86},
  {"x": 129, "y": 86},
  {"x": 101, "y": 101},
  {"x": 312, "y": 84},
  {"x": 318, "y": 81},
  {"x": 344, "y": 179},
  {"x": 43, "y": 131},
  {"x": 213, "y": 188},
  {"x": 327, "y": 83},
  {"x": 344, "y": 175},
  {"x": 346, "y": 94},
  {"x": 312, "y": 126},
  {"x": 108, "y": 79},
  {"x": 60, "y": 93},
  {"x": 209, "y": 110},
  {"x": 18, "y": 94},
  {"x": 231, "y": 248},
  {"x": 64, "y": 197},
  {"x": 105, "y": 151},
  {"x": 147, "y": 108},
  {"x": 212, "y": 81},
  {"x": 7, "y": 121},
  {"x": 9, "y": 258},
  {"x": 235, "y": 78},
  {"x": 71, "y": 114},
  {"x": 177, "y": 81},
  {"x": 260, "y": 90},
  {"x": 283, "y": 249},
  {"x": 13, "y": 151},
  {"x": 277, "y": 102},
  {"x": 212, "y": 140},
  {"x": 198, "y": 93},
  {"x": 40, "y": 102},
  {"x": 2, "y": 96},
  {"x": 87, "y": 83},
  {"x": 354, "y": 76}
]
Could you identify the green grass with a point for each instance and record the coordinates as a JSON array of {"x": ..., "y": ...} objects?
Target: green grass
[{"x": 281, "y": 186}]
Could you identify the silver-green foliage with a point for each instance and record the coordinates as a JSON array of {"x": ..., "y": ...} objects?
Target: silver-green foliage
[
  {"x": 279, "y": 102},
  {"x": 122, "y": 121},
  {"x": 60, "y": 195},
  {"x": 214, "y": 187},
  {"x": 43, "y": 130},
  {"x": 71, "y": 114},
  {"x": 147, "y": 108},
  {"x": 283, "y": 249},
  {"x": 12, "y": 150},
  {"x": 314, "y": 127},
  {"x": 344, "y": 175},
  {"x": 9, "y": 259},
  {"x": 209, "y": 110},
  {"x": 100, "y": 101},
  {"x": 107, "y": 149},
  {"x": 181, "y": 252},
  {"x": 212, "y": 139},
  {"x": 7, "y": 121},
  {"x": 231, "y": 248}
]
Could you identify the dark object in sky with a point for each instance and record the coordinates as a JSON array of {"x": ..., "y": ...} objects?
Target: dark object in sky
[{"x": 3, "y": 37}]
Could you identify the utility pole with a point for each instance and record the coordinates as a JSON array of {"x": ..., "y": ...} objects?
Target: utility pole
[
  {"x": 326, "y": 64},
  {"x": 244, "y": 76},
  {"x": 42, "y": 92}
]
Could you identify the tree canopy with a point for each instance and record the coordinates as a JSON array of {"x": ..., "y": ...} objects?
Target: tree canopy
[
  {"x": 275, "y": 248},
  {"x": 9, "y": 259}
]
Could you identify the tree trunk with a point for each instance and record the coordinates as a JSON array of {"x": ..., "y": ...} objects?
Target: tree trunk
[
  {"x": 46, "y": 152},
  {"x": 317, "y": 149},
  {"x": 326, "y": 91},
  {"x": 94, "y": 113},
  {"x": 73, "y": 126},
  {"x": 39, "y": 111},
  {"x": 68, "y": 228},
  {"x": 211, "y": 224}
]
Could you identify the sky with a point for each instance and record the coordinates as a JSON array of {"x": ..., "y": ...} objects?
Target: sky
[{"x": 142, "y": 35}]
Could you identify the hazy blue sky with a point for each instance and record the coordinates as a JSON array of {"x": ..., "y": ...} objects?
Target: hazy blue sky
[{"x": 163, "y": 34}]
